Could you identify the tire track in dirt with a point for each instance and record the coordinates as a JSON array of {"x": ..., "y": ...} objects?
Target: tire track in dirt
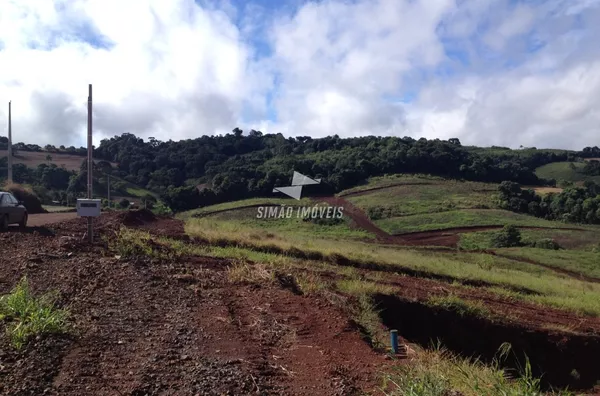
[{"x": 172, "y": 327}]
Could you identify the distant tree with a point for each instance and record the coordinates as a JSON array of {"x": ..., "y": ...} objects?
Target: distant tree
[
  {"x": 124, "y": 203},
  {"x": 510, "y": 236},
  {"x": 49, "y": 158}
]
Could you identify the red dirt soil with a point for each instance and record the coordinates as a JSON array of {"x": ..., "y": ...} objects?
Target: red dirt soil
[{"x": 178, "y": 327}]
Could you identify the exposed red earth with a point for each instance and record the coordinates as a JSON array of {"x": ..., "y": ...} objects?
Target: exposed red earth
[
  {"x": 143, "y": 327},
  {"x": 182, "y": 328}
]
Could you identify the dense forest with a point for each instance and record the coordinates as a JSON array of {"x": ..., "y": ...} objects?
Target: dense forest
[
  {"x": 240, "y": 165},
  {"x": 574, "y": 204}
]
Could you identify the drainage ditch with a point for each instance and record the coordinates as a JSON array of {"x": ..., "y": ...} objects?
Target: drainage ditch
[{"x": 561, "y": 359}]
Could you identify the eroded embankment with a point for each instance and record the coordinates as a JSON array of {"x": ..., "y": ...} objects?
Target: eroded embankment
[{"x": 561, "y": 359}]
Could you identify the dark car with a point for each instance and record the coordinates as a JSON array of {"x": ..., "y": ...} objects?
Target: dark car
[{"x": 11, "y": 211}]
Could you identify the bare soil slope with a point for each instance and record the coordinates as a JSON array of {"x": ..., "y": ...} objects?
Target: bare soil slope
[{"x": 144, "y": 327}]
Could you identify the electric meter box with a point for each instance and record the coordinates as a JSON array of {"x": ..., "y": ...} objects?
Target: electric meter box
[{"x": 88, "y": 207}]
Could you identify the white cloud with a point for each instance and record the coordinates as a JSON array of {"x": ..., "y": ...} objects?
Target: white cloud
[
  {"x": 177, "y": 70},
  {"x": 173, "y": 70}
]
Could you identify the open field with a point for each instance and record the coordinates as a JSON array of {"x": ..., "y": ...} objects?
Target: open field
[
  {"x": 33, "y": 159},
  {"x": 463, "y": 218},
  {"x": 305, "y": 307},
  {"x": 442, "y": 196},
  {"x": 563, "y": 171},
  {"x": 384, "y": 182},
  {"x": 252, "y": 202}
]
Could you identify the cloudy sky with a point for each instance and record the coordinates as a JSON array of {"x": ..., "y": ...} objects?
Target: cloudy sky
[{"x": 490, "y": 72}]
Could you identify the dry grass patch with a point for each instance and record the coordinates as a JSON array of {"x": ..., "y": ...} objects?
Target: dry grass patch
[{"x": 244, "y": 273}]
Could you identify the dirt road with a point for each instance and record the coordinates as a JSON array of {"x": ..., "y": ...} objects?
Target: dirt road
[{"x": 42, "y": 219}]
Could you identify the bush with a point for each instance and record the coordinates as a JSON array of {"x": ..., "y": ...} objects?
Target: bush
[
  {"x": 25, "y": 194},
  {"x": 161, "y": 209},
  {"x": 546, "y": 243},
  {"x": 510, "y": 236},
  {"x": 124, "y": 203}
]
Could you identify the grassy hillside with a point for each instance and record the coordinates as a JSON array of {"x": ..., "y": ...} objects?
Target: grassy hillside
[
  {"x": 563, "y": 171},
  {"x": 356, "y": 263},
  {"x": 544, "y": 286}
]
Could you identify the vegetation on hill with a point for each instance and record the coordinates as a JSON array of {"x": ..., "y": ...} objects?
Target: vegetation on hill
[
  {"x": 569, "y": 173},
  {"x": 237, "y": 166},
  {"x": 574, "y": 204}
]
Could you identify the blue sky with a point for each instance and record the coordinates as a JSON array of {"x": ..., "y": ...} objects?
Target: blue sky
[{"x": 500, "y": 72}]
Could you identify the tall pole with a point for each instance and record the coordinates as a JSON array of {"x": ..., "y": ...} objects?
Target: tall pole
[
  {"x": 90, "y": 163},
  {"x": 10, "y": 159},
  {"x": 108, "y": 182}
]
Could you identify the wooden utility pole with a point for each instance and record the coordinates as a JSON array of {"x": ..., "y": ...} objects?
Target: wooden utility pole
[
  {"x": 108, "y": 187},
  {"x": 10, "y": 159},
  {"x": 90, "y": 166}
]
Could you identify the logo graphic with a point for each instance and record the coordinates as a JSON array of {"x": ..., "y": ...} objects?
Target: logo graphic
[{"x": 295, "y": 190}]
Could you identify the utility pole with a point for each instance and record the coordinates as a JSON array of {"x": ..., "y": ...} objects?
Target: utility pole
[
  {"x": 108, "y": 187},
  {"x": 90, "y": 164},
  {"x": 10, "y": 159}
]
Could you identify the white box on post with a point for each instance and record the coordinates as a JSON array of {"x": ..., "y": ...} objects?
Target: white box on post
[{"x": 88, "y": 207}]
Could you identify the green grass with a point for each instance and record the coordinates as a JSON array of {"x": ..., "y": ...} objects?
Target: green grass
[
  {"x": 417, "y": 199},
  {"x": 464, "y": 218},
  {"x": 28, "y": 316},
  {"x": 583, "y": 262},
  {"x": 137, "y": 191},
  {"x": 295, "y": 230},
  {"x": 552, "y": 289},
  {"x": 53, "y": 209},
  {"x": 431, "y": 370},
  {"x": 438, "y": 372},
  {"x": 459, "y": 305},
  {"x": 241, "y": 203},
  {"x": 392, "y": 180},
  {"x": 580, "y": 240},
  {"x": 563, "y": 171}
]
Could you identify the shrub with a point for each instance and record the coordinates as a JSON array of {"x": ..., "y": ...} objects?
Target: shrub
[
  {"x": 124, "y": 203},
  {"x": 510, "y": 236},
  {"x": 25, "y": 194},
  {"x": 161, "y": 209},
  {"x": 546, "y": 243}
]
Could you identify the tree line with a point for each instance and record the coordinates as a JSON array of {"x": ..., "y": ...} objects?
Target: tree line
[
  {"x": 212, "y": 169},
  {"x": 573, "y": 204},
  {"x": 237, "y": 165}
]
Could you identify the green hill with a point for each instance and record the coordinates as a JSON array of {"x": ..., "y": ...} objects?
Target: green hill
[{"x": 565, "y": 171}]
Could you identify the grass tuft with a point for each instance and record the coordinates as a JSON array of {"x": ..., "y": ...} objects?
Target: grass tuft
[
  {"x": 28, "y": 316},
  {"x": 458, "y": 305},
  {"x": 130, "y": 244},
  {"x": 244, "y": 273},
  {"x": 438, "y": 372}
]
